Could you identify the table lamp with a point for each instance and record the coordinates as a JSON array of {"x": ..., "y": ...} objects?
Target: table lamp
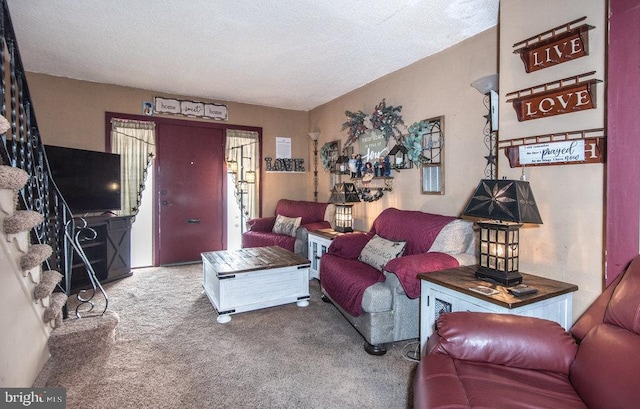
[
  {"x": 504, "y": 205},
  {"x": 344, "y": 195}
]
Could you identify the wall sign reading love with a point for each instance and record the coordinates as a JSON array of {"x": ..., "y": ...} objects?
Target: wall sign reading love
[
  {"x": 552, "y": 47},
  {"x": 555, "y": 98}
]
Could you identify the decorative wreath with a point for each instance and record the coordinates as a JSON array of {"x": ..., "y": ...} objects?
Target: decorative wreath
[
  {"x": 326, "y": 155},
  {"x": 413, "y": 141},
  {"x": 385, "y": 118}
]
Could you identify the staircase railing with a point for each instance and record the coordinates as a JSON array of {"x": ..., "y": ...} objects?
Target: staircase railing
[{"x": 22, "y": 147}]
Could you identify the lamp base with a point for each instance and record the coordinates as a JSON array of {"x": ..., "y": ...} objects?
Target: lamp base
[
  {"x": 343, "y": 229},
  {"x": 501, "y": 277}
]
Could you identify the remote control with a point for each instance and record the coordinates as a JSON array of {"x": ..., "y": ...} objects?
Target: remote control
[{"x": 521, "y": 290}]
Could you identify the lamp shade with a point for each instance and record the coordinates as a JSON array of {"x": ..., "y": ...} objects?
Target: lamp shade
[
  {"x": 486, "y": 83},
  {"x": 504, "y": 200},
  {"x": 344, "y": 193}
]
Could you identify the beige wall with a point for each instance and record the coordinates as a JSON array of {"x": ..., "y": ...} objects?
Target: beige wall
[
  {"x": 71, "y": 113},
  {"x": 569, "y": 245},
  {"x": 438, "y": 85}
]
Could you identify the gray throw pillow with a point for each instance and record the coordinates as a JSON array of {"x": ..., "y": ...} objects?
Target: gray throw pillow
[
  {"x": 286, "y": 225},
  {"x": 379, "y": 251}
]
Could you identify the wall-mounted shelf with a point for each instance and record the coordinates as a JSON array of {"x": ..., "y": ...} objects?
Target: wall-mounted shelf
[{"x": 382, "y": 182}]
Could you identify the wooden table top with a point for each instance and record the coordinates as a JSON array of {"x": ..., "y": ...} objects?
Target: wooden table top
[
  {"x": 225, "y": 262},
  {"x": 331, "y": 234},
  {"x": 462, "y": 278}
]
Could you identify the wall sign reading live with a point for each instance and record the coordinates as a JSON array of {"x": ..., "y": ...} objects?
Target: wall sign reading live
[
  {"x": 556, "y": 46},
  {"x": 555, "y": 98}
]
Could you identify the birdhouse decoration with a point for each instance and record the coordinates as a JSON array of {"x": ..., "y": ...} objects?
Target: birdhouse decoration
[{"x": 398, "y": 157}]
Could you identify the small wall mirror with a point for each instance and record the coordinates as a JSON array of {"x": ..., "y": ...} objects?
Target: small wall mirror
[{"x": 432, "y": 164}]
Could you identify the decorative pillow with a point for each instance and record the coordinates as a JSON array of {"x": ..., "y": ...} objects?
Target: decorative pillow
[
  {"x": 378, "y": 251},
  {"x": 286, "y": 225}
]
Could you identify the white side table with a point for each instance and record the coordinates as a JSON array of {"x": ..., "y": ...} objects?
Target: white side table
[
  {"x": 449, "y": 290},
  {"x": 319, "y": 241}
]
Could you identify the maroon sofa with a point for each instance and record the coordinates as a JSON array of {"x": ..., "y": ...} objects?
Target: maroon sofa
[
  {"x": 314, "y": 216},
  {"x": 383, "y": 304},
  {"x": 480, "y": 360}
]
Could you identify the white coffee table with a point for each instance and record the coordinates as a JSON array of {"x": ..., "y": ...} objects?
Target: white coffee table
[{"x": 249, "y": 279}]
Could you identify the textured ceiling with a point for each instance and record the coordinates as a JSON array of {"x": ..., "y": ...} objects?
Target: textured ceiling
[{"x": 294, "y": 54}]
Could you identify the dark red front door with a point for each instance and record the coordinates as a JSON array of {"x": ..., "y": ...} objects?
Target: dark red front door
[{"x": 191, "y": 197}]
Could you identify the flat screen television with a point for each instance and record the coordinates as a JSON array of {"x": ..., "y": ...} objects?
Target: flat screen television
[{"x": 89, "y": 181}]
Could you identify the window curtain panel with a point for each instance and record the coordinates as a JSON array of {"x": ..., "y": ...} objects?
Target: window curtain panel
[
  {"x": 242, "y": 155},
  {"x": 135, "y": 142}
]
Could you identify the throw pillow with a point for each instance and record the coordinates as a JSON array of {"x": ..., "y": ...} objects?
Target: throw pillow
[
  {"x": 378, "y": 251},
  {"x": 286, "y": 225}
]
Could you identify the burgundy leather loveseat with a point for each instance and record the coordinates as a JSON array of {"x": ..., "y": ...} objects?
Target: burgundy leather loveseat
[
  {"x": 313, "y": 215},
  {"x": 480, "y": 360}
]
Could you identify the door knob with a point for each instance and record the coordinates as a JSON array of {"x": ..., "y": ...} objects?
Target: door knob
[{"x": 193, "y": 221}]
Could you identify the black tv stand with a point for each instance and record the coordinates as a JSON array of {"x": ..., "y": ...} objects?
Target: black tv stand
[{"x": 109, "y": 253}]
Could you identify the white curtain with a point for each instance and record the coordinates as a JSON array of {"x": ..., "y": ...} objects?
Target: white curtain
[
  {"x": 135, "y": 142},
  {"x": 242, "y": 155}
]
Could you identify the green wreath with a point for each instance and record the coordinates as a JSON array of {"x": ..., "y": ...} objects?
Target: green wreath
[
  {"x": 413, "y": 141},
  {"x": 325, "y": 155}
]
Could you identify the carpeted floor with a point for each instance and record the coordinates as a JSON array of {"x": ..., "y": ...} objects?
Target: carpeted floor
[{"x": 171, "y": 353}]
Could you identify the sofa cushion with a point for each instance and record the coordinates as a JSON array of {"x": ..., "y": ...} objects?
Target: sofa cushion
[
  {"x": 605, "y": 367},
  {"x": 345, "y": 281},
  {"x": 378, "y": 251},
  {"x": 261, "y": 224},
  {"x": 454, "y": 383},
  {"x": 505, "y": 339},
  {"x": 624, "y": 308},
  {"x": 457, "y": 237},
  {"x": 419, "y": 229},
  {"x": 286, "y": 225},
  {"x": 310, "y": 212}
]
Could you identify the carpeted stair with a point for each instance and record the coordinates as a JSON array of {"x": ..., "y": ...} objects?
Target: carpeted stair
[
  {"x": 17, "y": 225},
  {"x": 29, "y": 308},
  {"x": 41, "y": 340}
]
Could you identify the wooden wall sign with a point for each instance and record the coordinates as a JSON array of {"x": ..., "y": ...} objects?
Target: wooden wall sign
[
  {"x": 190, "y": 108},
  {"x": 555, "y": 46},
  {"x": 558, "y": 149},
  {"x": 555, "y": 98}
]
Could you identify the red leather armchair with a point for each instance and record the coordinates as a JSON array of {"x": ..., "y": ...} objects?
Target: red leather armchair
[{"x": 480, "y": 360}]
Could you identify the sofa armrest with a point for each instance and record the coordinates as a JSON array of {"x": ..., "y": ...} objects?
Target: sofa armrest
[
  {"x": 407, "y": 268},
  {"x": 349, "y": 245},
  {"x": 302, "y": 236},
  {"x": 505, "y": 339},
  {"x": 261, "y": 224}
]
